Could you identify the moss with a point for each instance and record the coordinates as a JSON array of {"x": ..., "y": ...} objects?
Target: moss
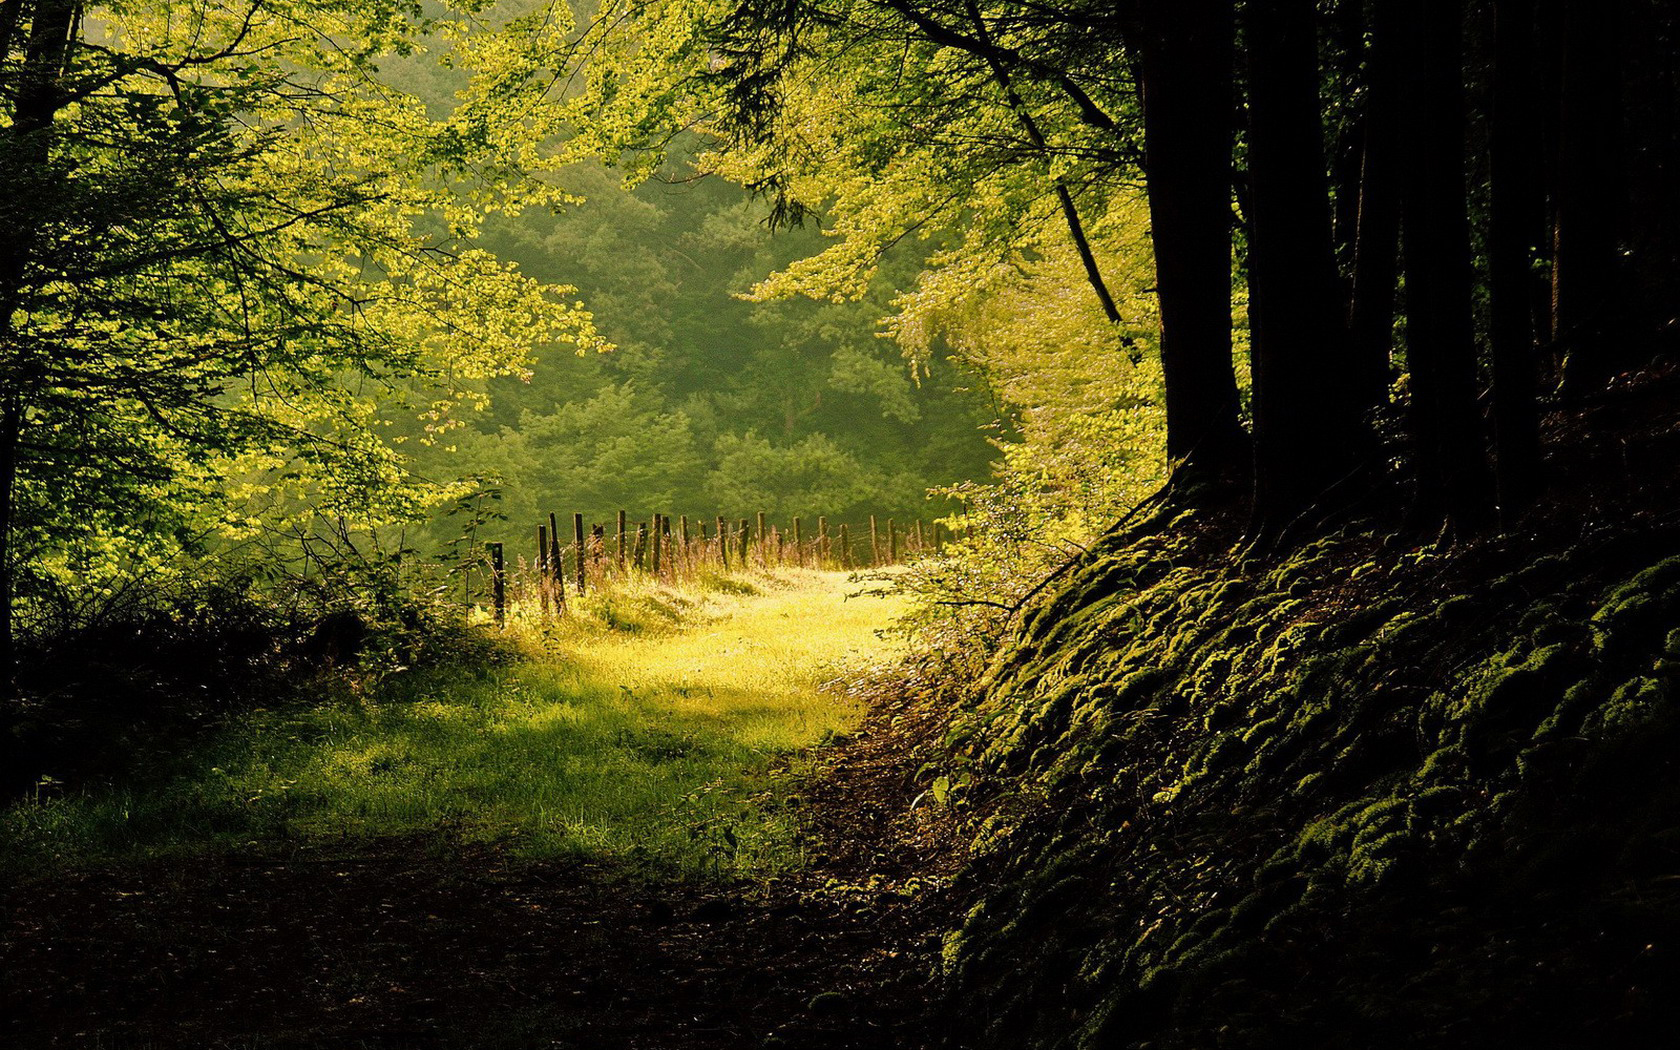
[{"x": 1229, "y": 766}]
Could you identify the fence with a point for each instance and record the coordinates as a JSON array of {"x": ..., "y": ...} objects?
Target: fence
[{"x": 670, "y": 550}]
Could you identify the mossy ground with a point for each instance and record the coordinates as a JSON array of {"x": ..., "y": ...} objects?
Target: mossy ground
[{"x": 1359, "y": 797}]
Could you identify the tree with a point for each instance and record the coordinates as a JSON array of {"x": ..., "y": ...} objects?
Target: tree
[
  {"x": 1307, "y": 432},
  {"x": 1515, "y": 215},
  {"x": 1589, "y": 200},
  {"x": 1450, "y": 460},
  {"x": 1376, "y": 246},
  {"x": 1187, "y": 55},
  {"x": 228, "y": 250}
]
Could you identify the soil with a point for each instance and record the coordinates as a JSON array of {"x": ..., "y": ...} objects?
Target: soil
[{"x": 436, "y": 943}]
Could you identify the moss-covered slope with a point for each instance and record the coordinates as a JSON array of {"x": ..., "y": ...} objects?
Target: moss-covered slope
[{"x": 1359, "y": 798}]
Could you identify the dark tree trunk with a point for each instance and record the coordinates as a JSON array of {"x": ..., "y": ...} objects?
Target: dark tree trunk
[
  {"x": 1590, "y": 197},
  {"x": 1307, "y": 431},
  {"x": 1513, "y": 224},
  {"x": 1452, "y": 482},
  {"x": 11, "y": 420},
  {"x": 25, "y": 149},
  {"x": 1348, "y": 26},
  {"x": 1187, "y": 57},
  {"x": 1376, "y": 252}
]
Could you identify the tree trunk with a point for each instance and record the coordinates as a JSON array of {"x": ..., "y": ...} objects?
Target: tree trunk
[
  {"x": 11, "y": 413},
  {"x": 1452, "y": 482},
  {"x": 1307, "y": 431},
  {"x": 1377, "y": 244},
  {"x": 1348, "y": 28},
  {"x": 1590, "y": 198},
  {"x": 1187, "y": 51},
  {"x": 25, "y": 149},
  {"x": 1514, "y": 218}
]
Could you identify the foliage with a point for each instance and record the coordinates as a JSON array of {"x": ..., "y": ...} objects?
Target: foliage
[{"x": 236, "y": 257}]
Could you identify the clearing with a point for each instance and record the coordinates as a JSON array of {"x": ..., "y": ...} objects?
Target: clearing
[{"x": 656, "y": 829}]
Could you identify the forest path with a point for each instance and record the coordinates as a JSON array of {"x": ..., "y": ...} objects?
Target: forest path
[{"x": 426, "y": 938}]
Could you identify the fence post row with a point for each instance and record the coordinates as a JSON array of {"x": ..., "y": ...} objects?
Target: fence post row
[{"x": 666, "y": 549}]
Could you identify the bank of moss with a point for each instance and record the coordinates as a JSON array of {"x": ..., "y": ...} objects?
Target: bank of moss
[{"x": 1360, "y": 797}]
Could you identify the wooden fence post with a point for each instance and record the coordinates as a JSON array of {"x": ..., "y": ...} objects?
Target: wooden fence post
[
  {"x": 621, "y": 523},
  {"x": 723, "y": 543},
  {"x": 542, "y": 567},
  {"x": 685, "y": 554},
  {"x": 498, "y": 584},
  {"x": 892, "y": 543},
  {"x": 874, "y": 543},
  {"x": 938, "y": 538},
  {"x": 653, "y": 554},
  {"x": 822, "y": 543},
  {"x": 763, "y": 555},
  {"x": 798, "y": 551},
  {"x": 744, "y": 542},
  {"x": 845, "y": 549},
  {"x": 556, "y": 563},
  {"x": 918, "y": 535},
  {"x": 577, "y": 540}
]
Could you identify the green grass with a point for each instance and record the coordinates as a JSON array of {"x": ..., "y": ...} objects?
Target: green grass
[{"x": 648, "y": 729}]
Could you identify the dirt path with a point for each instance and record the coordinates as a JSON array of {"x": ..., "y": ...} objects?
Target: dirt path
[{"x": 427, "y": 943}]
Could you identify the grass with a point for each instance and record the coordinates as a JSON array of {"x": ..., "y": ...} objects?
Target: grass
[{"x": 654, "y": 728}]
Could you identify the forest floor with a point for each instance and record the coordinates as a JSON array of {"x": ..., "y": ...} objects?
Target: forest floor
[{"x": 347, "y": 924}]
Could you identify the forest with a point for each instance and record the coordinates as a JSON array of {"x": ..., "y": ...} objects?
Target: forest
[{"x": 839, "y": 523}]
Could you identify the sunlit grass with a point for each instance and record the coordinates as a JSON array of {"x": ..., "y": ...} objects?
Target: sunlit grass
[{"x": 644, "y": 729}]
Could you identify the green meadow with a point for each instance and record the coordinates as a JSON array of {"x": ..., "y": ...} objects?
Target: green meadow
[{"x": 659, "y": 729}]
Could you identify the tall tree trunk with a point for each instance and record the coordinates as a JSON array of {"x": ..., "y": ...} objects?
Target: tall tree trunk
[
  {"x": 25, "y": 149},
  {"x": 1513, "y": 221},
  {"x": 1187, "y": 54},
  {"x": 1307, "y": 431},
  {"x": 1452, "y": 482},
  {"x": 1376, "y": 253},
  {"x": 11, "y": 420},
  {"x": 1590, "y": 197},
  {"x": 1347, "y": 25}
]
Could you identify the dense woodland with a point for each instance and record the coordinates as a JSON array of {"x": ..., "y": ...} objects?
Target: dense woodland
[{"x": 1298, "y": 380}]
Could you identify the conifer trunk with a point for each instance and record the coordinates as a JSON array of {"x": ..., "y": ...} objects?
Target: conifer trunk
[
  {"x": 25, "y": 148},
  {"x": 1187, "y": 57},
  {"x": 1376, "y": 252},
  {"x": 1590, "y": 191},
  {"x": 1514, "y": 221},
  {"x": 1450, "y": 460},
  {"x": 1307, "y": 429}
]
